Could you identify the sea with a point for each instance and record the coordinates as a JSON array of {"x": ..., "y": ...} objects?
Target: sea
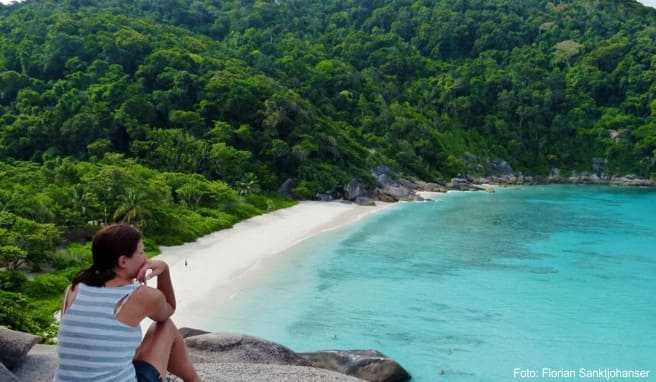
[{"x": 526, "y": 283}]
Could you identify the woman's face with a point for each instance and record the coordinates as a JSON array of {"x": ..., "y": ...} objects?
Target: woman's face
[{"x": 138, "y": 259}]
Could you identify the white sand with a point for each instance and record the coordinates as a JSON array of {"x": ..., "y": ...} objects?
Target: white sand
[{"x": 219, "y": 260}]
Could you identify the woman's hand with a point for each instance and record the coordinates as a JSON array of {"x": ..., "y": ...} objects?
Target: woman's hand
[{"x": 157, "y": 267}]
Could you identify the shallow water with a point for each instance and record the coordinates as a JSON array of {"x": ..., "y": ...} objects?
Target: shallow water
[{"x": 473, "y": 285}]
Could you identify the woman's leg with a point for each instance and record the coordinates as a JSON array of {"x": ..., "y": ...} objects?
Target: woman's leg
[{"x": 165, "y": 349}]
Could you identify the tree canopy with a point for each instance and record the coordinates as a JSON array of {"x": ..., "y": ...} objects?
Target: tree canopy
[{"x": 179, "y": 115}]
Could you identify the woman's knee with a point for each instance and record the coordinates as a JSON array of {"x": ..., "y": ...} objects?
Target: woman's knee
[{"x": 164, "y": 328}]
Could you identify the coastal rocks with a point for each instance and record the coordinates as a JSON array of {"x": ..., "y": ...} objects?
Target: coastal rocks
[
  {"x": 391, "y": 188},
  {"x": 599, "y": 166},
  {"x": 286, "y": 188},
  {"x": 6, "y": 375},
  {"x": 632, "y": 180},
  {"x": 498, "y": 167},
  {"x": 369, "y": 365},
  {"x": 431, "y": 187},
  {"x": 224, "y": 348},
  {"x": 251, "y": 372},
  {"x": 354, "y": 189},
  {"x": 464, "y": 184},
  {"x": 190, "y": 332},
  {"x": 324, "y": 197},
  {"x": 364, "y": 201},
  {"x": 14, "y": 346},
  {"x": 227, "y": 357},
  {"x": 586, "y": 178},
  {"x": 554, "y": 176},
  {"x": 39, "y": 365},
  {"x": 383, "y": 197},
  {"x": 229, "y": 347}
]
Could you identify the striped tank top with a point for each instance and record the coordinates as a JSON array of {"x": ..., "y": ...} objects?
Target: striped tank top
[{"x": 93, "y": 345}]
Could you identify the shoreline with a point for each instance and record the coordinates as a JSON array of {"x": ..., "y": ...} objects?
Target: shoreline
[{"x": 217, "y": 263}]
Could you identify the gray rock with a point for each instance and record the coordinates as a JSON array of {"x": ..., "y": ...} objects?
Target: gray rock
[
  {"x": 463, "y": 184},
  {"x": 408, "y": 184},
  {"x": 6, "y": 375},
  {"x": 285, "y": 189},
  {"x": 354, "y": 190},
  {"x": 431, "y": 187},
  {"x": 241, "y": 372},
  {"x": 324, "y": 197},
  {"x": 369, "y": 365},
  {"x": 384, "y": 175},
  {"x": 383, "y": 197},
  {"x": 631, "y": 180},
  {"x": 229, "y": 347},
  {"x": 599, "y": 166},
  {"x": 190, "y": 332},
  {"x": 499, "y": 167},
  {"x": 39, "y": 365},
  {"x": 364, "y": 201},
  {"x": 14, "y": 346},
  {"x": 586, "y": 178},
  {"x": 397, "y": 191}
]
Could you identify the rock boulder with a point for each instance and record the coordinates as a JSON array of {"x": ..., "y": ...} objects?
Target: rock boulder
[
  {"x": 14, "y": 346},
  {"x": 369, "y": 365},
  {"x": 229, "y": 347},
  {"x": 6, "y": 375},
  {"x": 354, "y": 189}
]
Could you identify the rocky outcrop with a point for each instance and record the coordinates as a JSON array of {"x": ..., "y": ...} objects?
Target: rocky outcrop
[
  {"x": 253, "y": 372},
  {"x": 355, "y": 189},
  {"x": 391, "y": 188},
  {"x": 6, "y": 375},
  {"x": 364, "y": 201},
  {"x": 223, "y": 348},
  {"x": 229, "y": 347},
  {"x": 324, "y": 197},
  {"x": 286, "y": 188},
  {"x": 39, "y": 365},
  {"x": 465, "y": 184},
  {"x": 599, "y": 166},
  {"x": 228, "y": 357},
  {"x": 369, "y": 365},
  {"x": 430, "y": 187},
  {"x": 498, "y": 167},
  {"x": 632, "y": 180},
  {"x": 190, "y": 332},
  {"x": 14, "y": 346}
]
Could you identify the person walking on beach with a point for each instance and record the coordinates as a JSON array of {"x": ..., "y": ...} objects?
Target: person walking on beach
[{"x": 100, "y": 336}]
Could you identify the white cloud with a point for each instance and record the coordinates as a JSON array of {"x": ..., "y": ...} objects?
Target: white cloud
[{"x": 651, "y": 3}]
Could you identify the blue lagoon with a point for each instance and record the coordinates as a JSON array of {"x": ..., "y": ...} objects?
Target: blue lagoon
[{"x": 473, "y": 286}]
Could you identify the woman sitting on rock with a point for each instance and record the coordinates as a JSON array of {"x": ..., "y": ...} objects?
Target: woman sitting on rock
[{"x": 100, "y": 336}]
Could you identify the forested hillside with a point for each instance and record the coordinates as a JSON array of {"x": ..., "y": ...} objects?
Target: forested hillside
[
  {"x": 320, "y": 91},
  {"x": 179, "y": 115}
]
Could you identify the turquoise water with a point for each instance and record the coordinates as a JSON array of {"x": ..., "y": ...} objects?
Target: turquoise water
[{"x": 473, "y": 285}]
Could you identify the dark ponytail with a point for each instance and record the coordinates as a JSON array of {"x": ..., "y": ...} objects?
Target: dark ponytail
[{"x": 109, "y": 243}]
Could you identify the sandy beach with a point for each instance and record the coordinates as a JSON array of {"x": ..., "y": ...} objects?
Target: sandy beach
[{"x": 205, "y": 272}]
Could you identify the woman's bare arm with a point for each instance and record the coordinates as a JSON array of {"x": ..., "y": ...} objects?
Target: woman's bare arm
[{"x": 166, "y": 287}]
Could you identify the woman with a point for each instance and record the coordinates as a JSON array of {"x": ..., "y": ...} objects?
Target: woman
[{"x": 100, "y": 337}]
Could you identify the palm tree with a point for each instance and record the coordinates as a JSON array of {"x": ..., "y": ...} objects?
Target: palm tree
[{"x": 132, "y": 209}]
